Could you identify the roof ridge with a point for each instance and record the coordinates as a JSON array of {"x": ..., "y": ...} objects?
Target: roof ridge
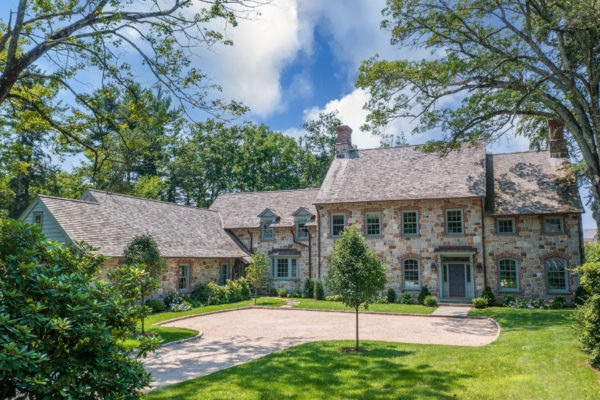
[
  {"x": 520, "y": 152},
  {"x": 416, "y": 145},
  {"x": 271, "y": 191},
  {"x": 67, "y": 199},
  {"x": 145, "y": 199}
]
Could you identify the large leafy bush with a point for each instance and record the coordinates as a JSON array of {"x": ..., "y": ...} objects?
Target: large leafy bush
[
  {"x": 588, "y": 315},
  {"x": 61, "y": 327}
]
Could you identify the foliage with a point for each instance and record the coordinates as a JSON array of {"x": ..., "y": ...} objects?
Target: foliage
[
  {"x": 480, "y": 302},
  {"x": 587, "y": 322},
  {"x": 297, "y": 294},
  {"x": 217, "y": 294},
  {"x": 143, "y": 249},
  {"x": 309, "y": 288},
  {"x": 318, "y": 289},
  {"x": 592, "y": 252},
  {"x": 200, "y": 294},
  {"x": 590, "y": 276},
  {"x": 183, "y": 306},
  {"x": 156, "y": 305},
  {"x": 245, "y": 291},
  {"x": 283, "y": 293},
  {"x": 422, "y": 294},
  {"x": 558, "y": 302},
  {"x": 391, "y": 295},
  {"x": 406, "y": 298},
  {"x": 581, "y": 295},
  {"x": 431, "y": 301},
  {"x": 507, "y": 62},
  {"x": 507, "y": 301},
  {"x": 356, "y": 273},
  {"x": 512, "y": 302},
  {"x": 489, "y": 296},
  {"x": 335, "y": 297},
  {"x": 257, "y": 273},
  {"x": 61, "y": 327},
  {"x": 172, "y": 298},
  {"x": 272, "y": 292}
]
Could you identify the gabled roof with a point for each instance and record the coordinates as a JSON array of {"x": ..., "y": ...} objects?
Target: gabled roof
[
  {"x": 241, "y": 210},
  {"x": 405, "y": 173},
  {"x": 110, "y": 222},
  {"x": 530, "y": 182}
]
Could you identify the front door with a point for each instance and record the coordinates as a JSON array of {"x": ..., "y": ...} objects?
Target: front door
[{"x": 456, "y": 274}]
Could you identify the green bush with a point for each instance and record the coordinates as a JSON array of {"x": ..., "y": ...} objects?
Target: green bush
[
  {"x": 480, "y": 302},
  {"x": 335, "y": 297},
  {"x": 283, "y": 292},
  {"x": 581, "y": 295},
  {"x": 245, "y": 289},
  {"x": 272, "y": 292},
  {"x": 391, "y": 295},
  {"x": 489, "y": 296},
  {"x": 431, "y": 301},
  {"x": 309, "y": 288},
  {"x": 156, "y": 305},
  {"x": 406, "y": 298},
  {"x": 297, "y": 294},
  {"x": 234, "y": 291},
  {"x": 319, "y": 290},
  {"x": 587, "y": 321},
  {"x": 200, "y": 294},
  {"x": 216, "y": 294},
  {"x": 558, "y": 302},
  {"x": 172, "y": 298},
  {"x": 508, "y": 301},
  {"x": 423, "y": 294}
]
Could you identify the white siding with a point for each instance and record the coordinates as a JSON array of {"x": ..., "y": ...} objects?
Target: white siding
[{"x": 50, "y": 227}]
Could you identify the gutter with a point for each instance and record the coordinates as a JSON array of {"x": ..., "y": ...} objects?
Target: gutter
[
  {"x": 483, "y": 242},
  {"x": 292, "y": 230},
  {"x": 318, "y": 241}
]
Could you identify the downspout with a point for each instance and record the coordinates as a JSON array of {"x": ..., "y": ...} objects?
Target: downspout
[
  {"x": 318, "y": 242},
  {"x": 309, "y": 255},
  {"x": 581, "y": 251},
  {"x": 251, "y": 241},
  {"x": 304, "y": 245},
  {"x": 483, "y": 242}
]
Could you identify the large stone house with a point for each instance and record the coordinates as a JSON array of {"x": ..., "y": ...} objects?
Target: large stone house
[{"x": 454, "y": 223}]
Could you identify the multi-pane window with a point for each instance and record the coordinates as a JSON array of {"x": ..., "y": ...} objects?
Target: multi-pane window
[
  {"x": 266, "y": 229},
  {"x": 301, "y": 228},
  {"x": 505, "y": 226},
  {"x": 373, "y": 222},
  {"x": 410, "y": 224},
  {"x": 556, "y": 275},
  {"x": 338, "y": 222},
  {"x": 284, "y": 268},
  {"x": 224, "y": 274},
  {"x": 508, "y": 275},
  {"x": 553, "y": 225},
  {"x": 37, "y": 218},
  {"x": 454, "y": 222},
  {"x": 184, "y": 276},
  {"x": 410, "y": 268}
]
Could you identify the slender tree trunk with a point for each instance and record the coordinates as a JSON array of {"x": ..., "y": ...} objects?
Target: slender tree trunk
[
  {"x": 357, "y": 328},
  {"x": 143, "y": 314},
  {"x": 255, "y": 295}
]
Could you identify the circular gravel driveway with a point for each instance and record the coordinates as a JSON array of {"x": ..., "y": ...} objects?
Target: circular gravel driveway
[{"x": 239, "y": 336}]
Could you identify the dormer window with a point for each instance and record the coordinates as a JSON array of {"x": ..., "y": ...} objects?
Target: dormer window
[
  {"x": 301, "y": 217},
  {"x": 267, "y": 219},
  {"x": 37, "y": 218}
]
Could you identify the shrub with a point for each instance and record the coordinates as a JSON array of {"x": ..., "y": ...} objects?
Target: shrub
[
  {"x": 480, "y": 302},
  {"x": 216, "y": 294},
  {"x": 380, "y": 299},
  {"x": 200, "y": 294},
  {"x": 587, "y": 321},
  {"x": 508, "y": 301},
  {"x": 172, "y": 298},
  {"x": 297, "y": 294},
  {"x": 406, "y": 298},
  {"x": 391, "y": 295},
  {"x": 156, "y": 305},
  {"x": 245, "y": 291},
  {"x": 183, "y": 306},
  {"x": 489, "y": 296},
  {"x": 581, "y": 295},
  {"x": 335, "y": 297},
  {"x": 283, "y": 292},
  {"x": 431, "y": 301},
  {"x": 535, "y": 303},
  {"x": 319, "y": 290},
  {"x": 272, "y": 292},
  {"x": 233, "y": 289},
  {"x": 309, "y": 288},
  {"x": 558, "y": 302},
  {"x": 422, "y": 294}
]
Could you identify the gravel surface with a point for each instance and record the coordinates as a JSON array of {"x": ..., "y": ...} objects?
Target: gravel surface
[{"x": 236, "y": 337}]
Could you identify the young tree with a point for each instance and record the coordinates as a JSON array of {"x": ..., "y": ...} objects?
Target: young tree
[
  {"x": 491, "y": 64},
  {"x": 143, "y": 252},
  {"x": 356, "y": 273},
  {"x": 257, "y": 273},
  {"x": 62, "y": 328}
]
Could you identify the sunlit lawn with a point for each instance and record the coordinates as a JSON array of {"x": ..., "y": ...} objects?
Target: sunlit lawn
[
  {"x": 535, "y": 357},
  {"x": 337, "y": 305}
]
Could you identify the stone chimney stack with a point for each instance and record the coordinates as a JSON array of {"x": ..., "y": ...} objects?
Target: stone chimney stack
[
  {"x": 556, "y": 139},
  {"x": 344, "y": 141}
]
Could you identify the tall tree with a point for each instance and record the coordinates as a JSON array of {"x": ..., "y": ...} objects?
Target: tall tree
[{"x": 493, "y": 63}]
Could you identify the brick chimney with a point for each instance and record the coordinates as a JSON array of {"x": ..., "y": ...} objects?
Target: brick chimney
[
  {"x": 556, "y": 139},
  {"x": 344, "y": 141}
]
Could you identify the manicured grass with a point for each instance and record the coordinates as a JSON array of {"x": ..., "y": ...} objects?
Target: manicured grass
[
  {"x": 170, "y": 334},
  {"x": 536, "y": 357},
  {"x": 337, "y": 305}
]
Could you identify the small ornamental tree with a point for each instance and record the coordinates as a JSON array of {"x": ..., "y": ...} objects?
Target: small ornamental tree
[
  {"x": 143, "y": 252},
  {"x": 257, "y": 273},
  {"x": 356, "y": 273},
  {"x": 62, "y": 328}
]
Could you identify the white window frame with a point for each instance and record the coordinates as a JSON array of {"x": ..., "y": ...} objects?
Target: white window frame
[
  {"x": 265, "y": 226},
  {"x": 302, "y": 228},
  {"x": 187, "y": 268},
  {"x": 292, "y": 267},
  {"x": 508, "y": 290},
  {"x": 411, "y": 287},
  {"x": 372, "y": 213},
  {"x": 331, "y": 222},
  {"x": 416, "y": 222},
  {"x": 39, "y": 214},
  {"x": 562, "y": 225},
  {"x": 514, "y": 227},
  {"x": 222, "y": 275},
  {"x": 462, "y": 222},
  {"x": 566, "y": 276}
]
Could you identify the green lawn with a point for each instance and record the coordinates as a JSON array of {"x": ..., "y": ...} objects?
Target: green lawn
[
  {"x": 169, "y": 334},
  {"x": 536, "y": 357},
  {"x": 336, "y": 305}
]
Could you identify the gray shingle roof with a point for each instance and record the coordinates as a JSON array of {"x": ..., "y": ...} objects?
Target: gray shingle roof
[
  {"x": 405, "y": 173},
  {"x": 529, "y": 182},
  {"x": 241, "y": 210},
  {"x": 111, "y": 223}
]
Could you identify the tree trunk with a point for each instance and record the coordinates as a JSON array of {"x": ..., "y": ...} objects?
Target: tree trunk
[
  {"x": 255, "y": 294},
  {"x": 356, "y": 328},
  {"x": 143, "y": 314}
]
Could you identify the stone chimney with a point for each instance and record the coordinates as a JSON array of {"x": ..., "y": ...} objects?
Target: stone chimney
[
  {"x": 344, "y": 141},
  {"x": 556, "y": 139}
]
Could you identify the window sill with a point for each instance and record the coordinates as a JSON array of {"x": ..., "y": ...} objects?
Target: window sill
[
  {"x": 455, "y": 234},
  {"x": 284, "y": 279},
  {"x": 412, "y": 288},
  {"x": 553, "y": 233},
  {"x": 506, "y": 234},
  {"x": 509, "y": 290},
  {"x": 373, "y": 236},
  {"x": 566, "y": 291},
  {"x": 410, "y": 236}
]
